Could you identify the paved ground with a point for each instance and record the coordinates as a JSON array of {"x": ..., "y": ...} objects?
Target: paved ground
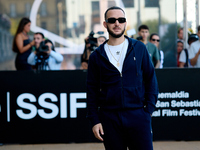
[{"x": 169, "y": 145}]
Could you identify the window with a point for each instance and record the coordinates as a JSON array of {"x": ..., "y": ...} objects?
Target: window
[
  {"x": 95, "y": 13},
  {"x": 151, "y": 3},
  {"x": 81, "y": 23},
  {"x": 128, "y": 3},
  {"x": 43, "y": 9},
  {"x": 44, "y": 25},
  {"x": 95, "y": 9},
  {"x": 27, "y": 9},
  {"x": 12, "y": 10},
  {"x": 75, "y": 24}
]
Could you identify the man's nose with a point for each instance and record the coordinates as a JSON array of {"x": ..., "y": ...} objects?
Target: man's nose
[{"x": 117, "y": 22}]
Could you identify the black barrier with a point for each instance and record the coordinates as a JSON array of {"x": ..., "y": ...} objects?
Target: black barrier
[
  {"x": 50, "y": 106},
  {"x": 43, "y": 107},
  {"x": 177, "y": 116}
]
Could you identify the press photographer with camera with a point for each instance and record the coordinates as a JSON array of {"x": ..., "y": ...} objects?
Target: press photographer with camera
[
  {"x": 38, "y": 38},
  {"x": 44, "y": 57},
  {"x": 91, "y": 43}
]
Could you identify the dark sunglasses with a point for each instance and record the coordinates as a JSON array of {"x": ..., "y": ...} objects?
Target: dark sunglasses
[
  {"x": 155, "y": 40},
  {"x": 113, "y": 20}
]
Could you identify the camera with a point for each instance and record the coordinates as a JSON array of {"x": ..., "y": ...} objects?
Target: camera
[
  {"x": 139, "y": 38},
  {"x": 42, "y": 56},
  {"x": 42, "y": 48},
  {"x": 92, "y": 41}
]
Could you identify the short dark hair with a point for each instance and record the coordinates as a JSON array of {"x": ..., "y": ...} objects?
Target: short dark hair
[
  {"x": 180, "y": 30},
  {"x": 49, "y": 41},
  {"x": 192, "y": 38},
  {"x": 111, "y": 8},
  {"x": 179, "y": 41},
  {"x": 153, "y": 35},
  {"x": 143, "y": 27},
  {"x": 198, "y": 28},
  {"x": 40, "y": 34}
]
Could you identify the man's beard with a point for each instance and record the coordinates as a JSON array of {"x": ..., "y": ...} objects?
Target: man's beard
[{"x": 115, "y": 35}]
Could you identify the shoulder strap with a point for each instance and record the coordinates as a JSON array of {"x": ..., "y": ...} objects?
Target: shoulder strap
[{"x": 186, "y": 53}]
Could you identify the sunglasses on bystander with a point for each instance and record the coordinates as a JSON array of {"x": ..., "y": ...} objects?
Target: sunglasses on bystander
[{"x": 155, "y": 40}]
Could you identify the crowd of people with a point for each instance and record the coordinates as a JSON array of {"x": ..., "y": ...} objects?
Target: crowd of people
[
  {"x": 188, "y": 53},
  {"x": 122, "y": 88},
  {"x": 34, "y": 55},
  {"x": 157, "y": 56},
  {"x": 38, "y": 54}
]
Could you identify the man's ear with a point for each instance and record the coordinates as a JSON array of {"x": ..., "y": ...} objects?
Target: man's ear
[{"x": 104, "y": 24}]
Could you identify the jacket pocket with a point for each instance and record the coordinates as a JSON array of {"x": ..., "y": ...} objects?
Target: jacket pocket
[
  {"x": 113, "y": 96},
  {"x": 134, "y": 95}
]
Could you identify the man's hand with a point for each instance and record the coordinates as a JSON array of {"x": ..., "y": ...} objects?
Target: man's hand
[{"x": 97, "y": 129}]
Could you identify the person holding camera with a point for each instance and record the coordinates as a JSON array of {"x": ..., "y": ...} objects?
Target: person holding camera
[
  {"x": 143, "y": 32},
  {"x": 22, "y": 45},
  {"x": 38, "y": 38},
  {"x": 91, "y": 44},
  {"x": 45, "y": 57},
  {"x": 86, "y": 54}
]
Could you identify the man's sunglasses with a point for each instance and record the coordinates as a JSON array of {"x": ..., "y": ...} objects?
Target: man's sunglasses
[
  {"x": 155, "y": 40},
  {"x": 113, "y": 20}
]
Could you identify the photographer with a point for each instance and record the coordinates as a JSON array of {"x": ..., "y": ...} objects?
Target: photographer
[
  {"x": 91, "y": 44},
  {"x": 38, "y": 38},
  {"x": 45, "y": 57}
]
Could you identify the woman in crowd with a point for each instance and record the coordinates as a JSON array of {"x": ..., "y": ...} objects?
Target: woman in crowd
[
  {"x": 180, "y": 46},
  {"x": 155, "y": 39},
  {"x": 22, "y": 45}
]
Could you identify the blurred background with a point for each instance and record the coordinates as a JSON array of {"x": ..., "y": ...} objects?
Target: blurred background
[{"x": 68, "y": 22}]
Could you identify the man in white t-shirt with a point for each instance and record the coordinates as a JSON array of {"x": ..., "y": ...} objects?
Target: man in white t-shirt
[
  {"x": 184, "y": 56},
  {"x": 122, "y": 89},
  {"x": 194, "y": 52}
]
